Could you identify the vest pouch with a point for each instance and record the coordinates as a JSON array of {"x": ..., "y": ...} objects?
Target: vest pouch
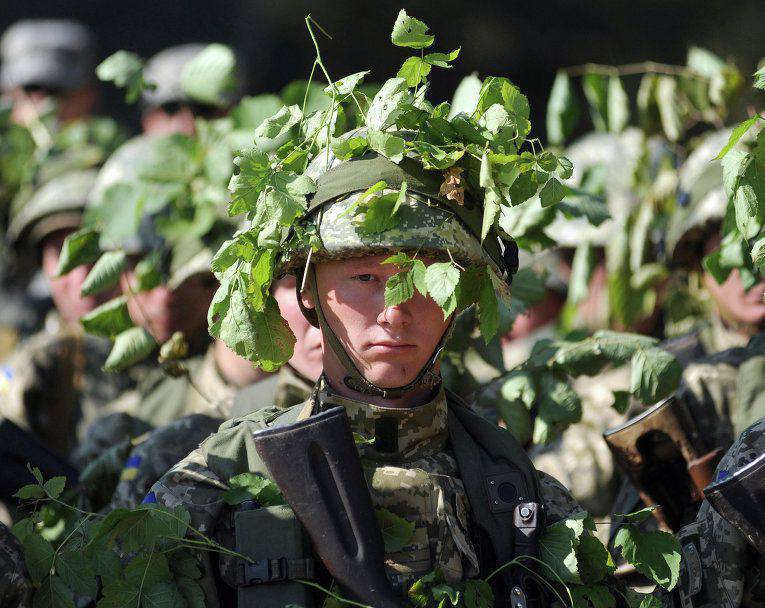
[{"x": 280, "y": 552}]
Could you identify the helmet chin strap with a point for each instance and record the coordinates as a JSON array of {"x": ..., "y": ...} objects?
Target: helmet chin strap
[{"x": 354, "y": 379}]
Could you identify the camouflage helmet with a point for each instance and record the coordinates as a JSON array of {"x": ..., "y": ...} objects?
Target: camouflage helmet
[
  {"x": 702, "y": 202},
  {"x": 53, "y": 53},
  {"x": 617, "y": 155},
  {"x": 165, "y": 71},
  {"x": 428, "y": 224},
  {"x": 57, "y": 204}
]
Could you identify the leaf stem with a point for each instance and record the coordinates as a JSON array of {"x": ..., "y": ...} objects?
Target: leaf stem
[{"x": 630, "y": 69}]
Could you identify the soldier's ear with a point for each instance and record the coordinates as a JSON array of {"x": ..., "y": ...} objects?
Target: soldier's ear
[{"x": 306, "y": 295}]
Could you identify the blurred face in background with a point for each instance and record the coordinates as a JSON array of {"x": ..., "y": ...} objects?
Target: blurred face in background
[
  {"x": 741, "y": 309},
  {"x": 167, "y": 119},
  {"x": 65, "y": 290},
  {"x": 307, "y": 358},
  {"x": 163, "y": 311},
  {"x": 29, "y": 102}
]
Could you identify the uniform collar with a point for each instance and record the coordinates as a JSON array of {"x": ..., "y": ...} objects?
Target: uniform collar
[{"x": 392, "y": 434}]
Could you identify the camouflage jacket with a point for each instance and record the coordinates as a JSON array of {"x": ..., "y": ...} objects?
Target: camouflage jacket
[
  {"x": 54, "y": 386},
  {"x": 720, "y": 568},
  {"x": 419, "y": 481},
  {"x": 156, "y": 452}
]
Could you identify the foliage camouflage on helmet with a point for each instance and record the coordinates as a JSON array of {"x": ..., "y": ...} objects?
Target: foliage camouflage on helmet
[{"x": 478, "y": 154}]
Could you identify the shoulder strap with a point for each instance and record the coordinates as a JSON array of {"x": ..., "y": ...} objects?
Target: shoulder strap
[{"x": 502, "y": 486}]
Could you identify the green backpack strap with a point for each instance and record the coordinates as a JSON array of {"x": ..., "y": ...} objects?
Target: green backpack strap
[{"x": 502, "y": 486}]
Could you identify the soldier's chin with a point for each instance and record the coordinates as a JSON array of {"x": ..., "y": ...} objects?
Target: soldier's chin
[{"x": 390, "y": 375}]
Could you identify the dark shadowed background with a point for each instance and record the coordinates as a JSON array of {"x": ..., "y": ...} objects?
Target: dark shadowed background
[{"x": 525, "y": 41}]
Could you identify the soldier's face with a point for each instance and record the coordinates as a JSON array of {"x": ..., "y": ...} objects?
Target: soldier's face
[
  {"x": 388, "y": 344},
  {"x": 163, "y": 311},
  {"x": 743, "y": 309},
  {"x": 307, "y": 357},
  {"x": 161, "y": 122},
  {"x": 65, "y": 290}
]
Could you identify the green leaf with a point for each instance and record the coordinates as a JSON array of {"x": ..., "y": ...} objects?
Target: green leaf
[
  {"x": 594, "y": 560},
  {"x": 478, "y": 594},
  {"x": 638, "y": 517},
  {"x": 163, "y": 595},
  {"x": 654, "y": 554},
  {"x": 759, "y": 79},
  {"x": 442, "y": 60},
  {"x": 441, "y": 279},
  {"x": 643, "y": 600},
  {"x": 551, "y": 193},
  {"x": 596, "y": 92},
  {"x": 396, "y": 531},
  {"x": 29, "y": 491},
  {"x": 562, "y": 110},
  {"x": 749, "y": 199},
  {"x": 399, "y": 288},
  {"x": 253, "y": 110},
  {"x": 119, "y": 594},
  {"x": 734, "y": 163},
  {"x": 109, "y": 319},
  {"x": 488, "y": 309},
  {"x": 148, "y": 272},
  {"x": 77, "y": 573},
  {"x": 557, "y": 549},
  {"x": 736, "y": 135},
  {"x": 558, "y": 406},
  {"x": 147, "y": 569},
  {"x": 106, "y": 561},
  {"x": 758, "y": 254},
  {"x": 208, "y": 78},
  {"x": 414, "y": 70},
  {"x": 346, "y": 148},
  {"x": 124, "y": 69},
  {"x": 280, "y": 123},
  {"x": 669, "y": 107},
  {"x": 53, "y": 593},
  {"x": 130, "y": 347},
  {"x": 253, "y": 486},
  {"x": 595, "y": 596},
  {"x": 105, "y": 273},
  {"x": 504, "y": 93},
  {"x": 390, "y": 146},
  {"x": 347, "y": 84},
  {"x": 388, "y": 104},
  {"x": 80, "y": 247},
  {"x": 618, "y": 105},
  {"x": 378, "y": 216},
  {"x": 655, "y": 374},
  {"x": 54, "y": 486},
  {"x": 38, "y": 555},
  {"x": 410, "y": 32}
]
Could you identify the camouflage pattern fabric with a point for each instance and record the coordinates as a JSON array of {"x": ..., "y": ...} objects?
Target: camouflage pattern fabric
[
  {"x": 15, "y": 584},
  {"x": 719, "y": 568},
  {"x": 418, "y": 481},
  {"x": 54, "y": 386},
  {"x": 151, "y": 457}
]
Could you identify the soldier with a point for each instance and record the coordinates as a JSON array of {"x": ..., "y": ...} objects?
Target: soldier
[
  {"x": 167, "y": 445},
  {"x": 167, "y": 107},
  {"x": 15, "y": 584},
  {"x": 735, "y": 313},
  {"x": 54, "y": 383},
  {"x": 720, "y": 566},
  {"x": 381, "y": 364},
  {"x": 44, "y": 59}
]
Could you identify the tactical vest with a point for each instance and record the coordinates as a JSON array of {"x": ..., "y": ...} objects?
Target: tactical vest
[{"x": 502, "y": 487}]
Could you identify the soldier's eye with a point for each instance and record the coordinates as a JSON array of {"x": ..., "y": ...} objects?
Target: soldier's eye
[{"x": 364, "y": 278}]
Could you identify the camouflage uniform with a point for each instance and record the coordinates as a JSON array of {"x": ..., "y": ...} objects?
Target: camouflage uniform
[
  {"x": 418, "y": 481},
  {"x": 54, "y": 384},
  {"x": 168, "y": 444},
  {"x": 720, "y": 568},
  {"x": 15, "y": 584}
]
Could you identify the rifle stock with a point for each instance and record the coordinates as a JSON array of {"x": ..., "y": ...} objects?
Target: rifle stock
[{"x": 662, "y": 453}]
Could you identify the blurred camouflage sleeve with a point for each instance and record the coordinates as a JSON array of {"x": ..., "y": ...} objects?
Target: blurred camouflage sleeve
[
  {"x": 719, "y": 567},
  {"x": 15, "y": 584},
  {"x": 558, "y": 502},
  {"x": 150, "y": 459}
]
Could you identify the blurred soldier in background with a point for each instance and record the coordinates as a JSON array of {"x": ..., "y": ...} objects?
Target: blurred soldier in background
[
  {"x": 168, "y": 108},
  {"x": 45, "y": 60},
  {"x": 15, "y": 584}
]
